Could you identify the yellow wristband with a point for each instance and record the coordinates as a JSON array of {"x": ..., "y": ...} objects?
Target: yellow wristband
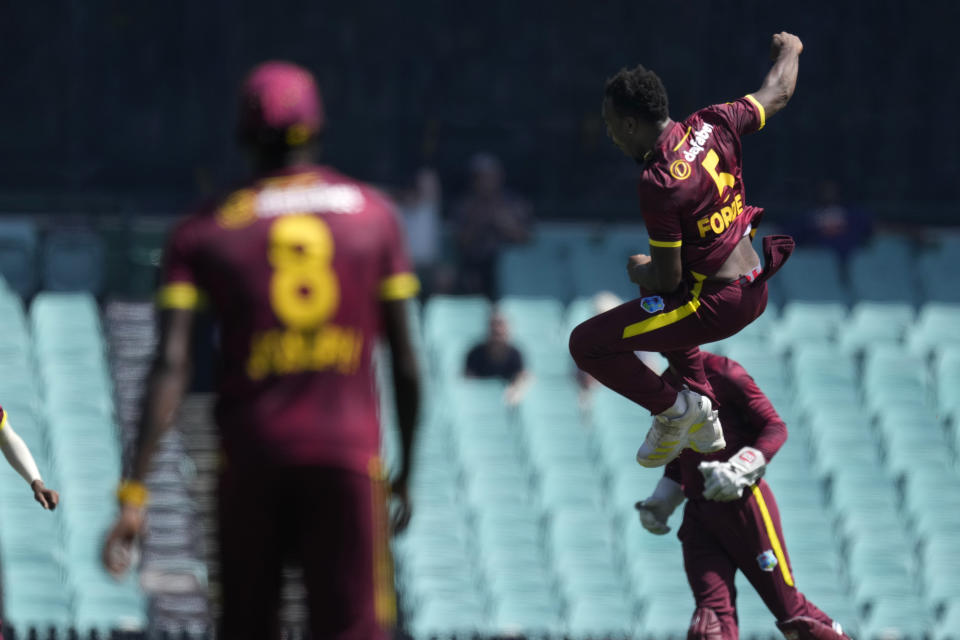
[{"x": 134, "y": 494}]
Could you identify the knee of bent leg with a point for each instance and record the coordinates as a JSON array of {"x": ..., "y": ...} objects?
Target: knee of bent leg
[
  {"x": 580, "y": 344},
  {"x": 705, "y": 625}
]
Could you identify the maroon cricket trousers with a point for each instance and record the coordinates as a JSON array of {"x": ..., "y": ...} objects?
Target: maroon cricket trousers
[
  {"x": 675, "y": 325},
  {"x": 718, "y": 538},
  {"x": 333, "y": 522}
]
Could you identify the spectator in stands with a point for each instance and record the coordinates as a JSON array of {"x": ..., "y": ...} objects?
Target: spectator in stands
[
  {"x": 487, "y": 218},
  {"x": 496, "y": 357},
  {"x": 832, "y": 224},
  {"x": 419, "y": 205}
]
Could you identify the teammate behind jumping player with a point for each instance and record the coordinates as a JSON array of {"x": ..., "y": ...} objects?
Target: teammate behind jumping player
[
  {"x": 731, "y": 521},
  {"x": 703, "y": 280},
  {"x": 303, "y": 269}
]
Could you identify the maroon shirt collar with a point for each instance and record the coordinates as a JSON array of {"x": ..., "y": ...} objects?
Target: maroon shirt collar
[{"x": 663, "y": 140}]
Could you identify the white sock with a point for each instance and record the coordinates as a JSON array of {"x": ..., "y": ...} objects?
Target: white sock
[{"x": 678, "y": 409}]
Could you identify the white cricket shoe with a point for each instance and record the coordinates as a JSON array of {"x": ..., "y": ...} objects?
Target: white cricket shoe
[
  {"x": 697, "y": 427},
  {"x": 707, "y": 437}
]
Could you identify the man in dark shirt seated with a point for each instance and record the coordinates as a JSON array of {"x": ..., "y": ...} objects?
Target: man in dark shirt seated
[{"x": 496, "y": 357}]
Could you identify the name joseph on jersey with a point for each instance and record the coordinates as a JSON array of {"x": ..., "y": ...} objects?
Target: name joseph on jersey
[{"x": 286, "y": 351}]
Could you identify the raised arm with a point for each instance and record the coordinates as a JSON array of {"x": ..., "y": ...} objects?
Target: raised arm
[{"x": 781, "y": 80}]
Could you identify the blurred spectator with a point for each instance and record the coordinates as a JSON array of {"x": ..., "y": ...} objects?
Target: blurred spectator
[
  {"x": 496, "y": 357},
  {"x": 832, "y": 224},
  {"x": 603, "y": 302},
  {"x": 419, "y": 205},
  {"x": 486, "y": 218}
]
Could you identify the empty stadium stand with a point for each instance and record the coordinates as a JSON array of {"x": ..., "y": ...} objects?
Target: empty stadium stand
[{"x": 524, "y": 520}]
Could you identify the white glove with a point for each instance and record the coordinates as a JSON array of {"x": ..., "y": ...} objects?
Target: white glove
[
  {"x": 725, "y": 481},
  {"x": 656, "y": 510}
]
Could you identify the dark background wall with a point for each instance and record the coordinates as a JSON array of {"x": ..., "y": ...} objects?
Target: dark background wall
[{"x": 129, "y": 106}]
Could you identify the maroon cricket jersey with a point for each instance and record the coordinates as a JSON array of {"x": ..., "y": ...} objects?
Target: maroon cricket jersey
[
  {"x": 691, "y": 185},
  {"x": 747, "y": 417},
  {"x": 294, "y": 267}
]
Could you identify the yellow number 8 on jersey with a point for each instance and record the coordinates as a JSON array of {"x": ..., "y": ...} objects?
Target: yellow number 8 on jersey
[{"x": 304, "y": 290}]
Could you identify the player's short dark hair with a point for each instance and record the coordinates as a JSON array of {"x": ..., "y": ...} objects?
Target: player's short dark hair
[{"x": 638, "y": 92}]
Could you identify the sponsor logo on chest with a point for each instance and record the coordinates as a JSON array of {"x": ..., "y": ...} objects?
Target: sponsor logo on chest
[{"x": 697, "y": 141}]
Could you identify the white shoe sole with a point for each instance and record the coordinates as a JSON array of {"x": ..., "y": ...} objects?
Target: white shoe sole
[
  {"x": 712, "y": 427},
  {"x": 661, "y": 456}
]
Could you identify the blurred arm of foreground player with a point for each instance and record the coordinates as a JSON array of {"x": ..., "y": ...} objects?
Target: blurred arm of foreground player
[
  {"x": 168, "y": 381},
  {"x": 406, "y": 388}
]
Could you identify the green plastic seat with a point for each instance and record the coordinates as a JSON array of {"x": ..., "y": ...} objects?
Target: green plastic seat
[
  {"x": 665, "y": 617},
  {"x": 904, "y": 617},
  {"x": 600, "y": 618},
  {"x": 520, "y": 272},
  {"x": 947, "y": 380},
  {"x": 462, "y": 316},
  {"x": 592, "y": 584},
  {"x": 824, "y": 362},
  {"x": 18, "y": 256},
  {"x": 948, "y": 627},
  {"x": 889, "y": 264},
  {"x": 813, "y": 275},
  {"x": 598, "y": 268},
  {"x": 516, "y": 617},
  {"x": 804, "y": 322},
  {"x": 464, "y": 615},
  {"x": 578, "y": 310},
  {"x": 533, "y": 317},
  {"x": 937, "y": 326},
  {"x": 873, "y": 322}
]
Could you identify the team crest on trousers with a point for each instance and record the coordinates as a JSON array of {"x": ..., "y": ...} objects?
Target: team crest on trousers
[
  {"x": 652, "y": 304},
  {"x": 767, "y": 560}
]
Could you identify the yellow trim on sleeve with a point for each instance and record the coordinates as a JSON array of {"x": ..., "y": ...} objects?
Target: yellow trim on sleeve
[
  {"x": 132, "y": 493},
  {"x": 763, "y": 114},
  {"x": 772, "y": 534},
  {"x": 399, "y": 286},
  {"x": 662, "y": 320},
  {"x": 666, "y": 244},
  {"x": 3, "y": 421},
  {"x": 682, "y": 139},
  {"x": 180, "y": 295}
]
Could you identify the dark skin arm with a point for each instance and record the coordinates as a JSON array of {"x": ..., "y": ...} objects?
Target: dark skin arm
[
  {"x": 781, "y": 80},
  {"x": 406, "y": 388},
  {"x": 660, "y": 272},
  {"x": 168, "y": 381}
]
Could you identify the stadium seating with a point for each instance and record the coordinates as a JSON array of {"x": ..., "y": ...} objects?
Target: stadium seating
[
  {"x": 524, "y": 520},
  {"x": 18, "y": 255},
  {"x": 883, "y": 273},
  {"x": 550, "y": 486},
  {"x": 64, "y": 410},
  {"x": 73, "y": 260},
  {"x": 814, "y": 275}
]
